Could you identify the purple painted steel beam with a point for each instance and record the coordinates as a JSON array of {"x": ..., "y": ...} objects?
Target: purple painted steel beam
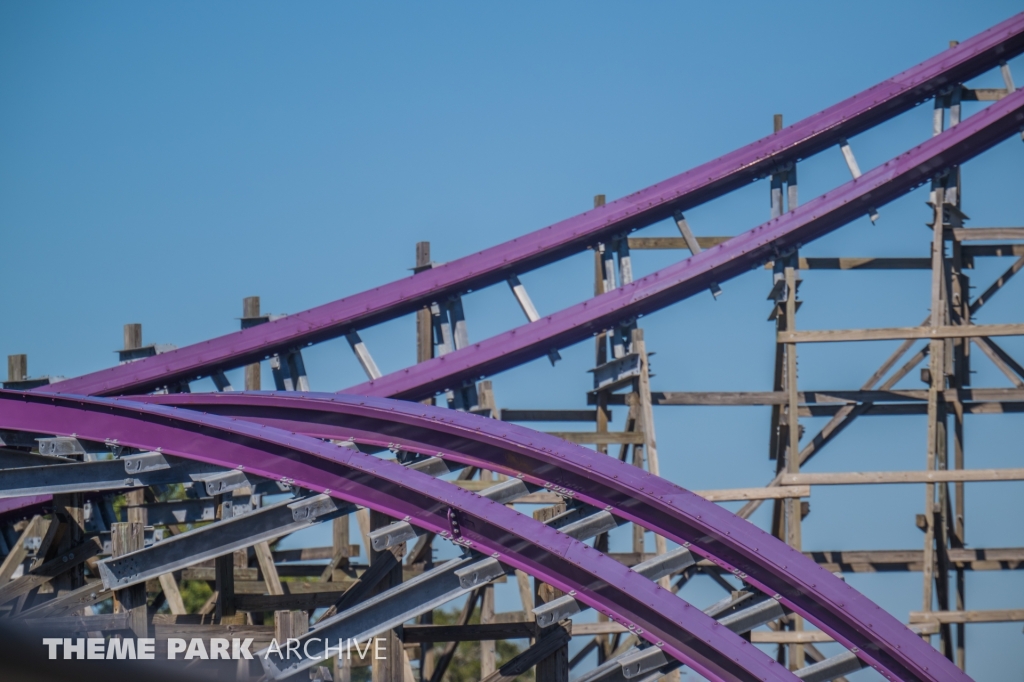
[
  {"x": 715, "y": 178},
  {"x": 659, "y": 505},
  {"x": 683, "y": 631},
  {"x": 716, "y": 264}
]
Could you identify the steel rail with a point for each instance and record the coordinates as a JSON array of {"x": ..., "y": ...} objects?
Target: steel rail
[
  {"x": 631, "y": 493},
  {"x": 650, "y": 611},
  {"x": 645, "y": 207},
  {"x": 719, "y": 263}
]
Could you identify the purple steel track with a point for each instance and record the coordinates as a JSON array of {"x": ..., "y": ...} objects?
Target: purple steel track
[
  {"x": 717, "y": 264},
  {"x": 710, "y": 180},
  {"x": 707, "y": 529},
  {"x": 683, "y": 631}
]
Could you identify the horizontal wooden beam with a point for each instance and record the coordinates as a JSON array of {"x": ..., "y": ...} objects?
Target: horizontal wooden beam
[
  {"x": 842, "y": 397},
  {"x": 549, "y": 415},
  {"x": 600, "y": 438},
  {"x": 912, "y": 560},
  {"x": 661, "y": 243},
  {"x": 872, "y": 477},
  {"x": 897, "y": 333},
  {"x": 869, "y": 263},
  {"x": 965, "y": 234},
  {"x": 994, "y": 616},
  {"x": 415, "y": 634},
  {"x": 762, "y": 493},
  {"x": 1004, "y": 250}
]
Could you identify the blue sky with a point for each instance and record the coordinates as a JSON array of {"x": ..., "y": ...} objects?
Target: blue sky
[{"x": 158, "y": 163}]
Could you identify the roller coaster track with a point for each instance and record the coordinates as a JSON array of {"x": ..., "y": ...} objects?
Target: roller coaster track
[
  {"x": 703, "y": 183},
  {"x": 271, "y": 436},
  {"x": 282, "y": 436}
]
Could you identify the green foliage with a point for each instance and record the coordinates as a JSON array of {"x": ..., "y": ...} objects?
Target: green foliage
[{"x": 195, "y": 593}]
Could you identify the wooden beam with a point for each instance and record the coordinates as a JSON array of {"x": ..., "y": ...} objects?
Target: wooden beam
[
  {"x": 993, "y": 250},
  {"x": 869, "y": 263},
  {"x": 662, "y": 243},
  {"x": 928, "y": 476},
  {"x": 966, "y": 234},
  {"x": 994, "y": 616},
  {"x": 896, "y": 333},
  {"x": 414, "y": 634},
  {"x": 773, "y": 493},
  {"x": 549, "y": 415},
  {"x": 607, "y": 438},
  {"x": 742, "y": 398},
  {"x": 912, "y": 560}
]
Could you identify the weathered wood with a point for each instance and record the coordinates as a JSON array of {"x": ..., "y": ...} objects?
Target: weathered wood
[
  {"x": 36, "y": 527},
  {"x": 869, "y": 263},
  {"x": 172, "y": 594},
  {"x": 608, "y": 438},
  {"x": 253, "y": 377},
  {"x": 993, "y": 616},
  {"x": 744, "y": 398},
  {"x": 965, "y": 234},
  {"x": 132, "y": 336},
  {"x": 663, "y": 243},
  {"x": 414, "y": 634},
  {"x": 126, "y": 538},
  {"x": 266, "y": 561},
  {"x": 774, "y": 493},
  {"x": 930, "y": 476},
  {"x": 896, "y": 333},
  {"x": 17, "y": 367},
  {"x": 508, "y": 415},
  {"x": 997, "y": 250},
  {"x": 391, "y": 665},
  {"x": 67, "y": 560},
  {"x": 912, "y": 560}
]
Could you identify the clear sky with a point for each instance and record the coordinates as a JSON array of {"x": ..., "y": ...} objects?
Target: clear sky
[{"x": 160, "y": 162}]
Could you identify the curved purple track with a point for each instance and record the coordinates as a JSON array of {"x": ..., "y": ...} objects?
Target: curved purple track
[
  {"x": 715, "y": 178},
  {"x": 661, "y": 506},
  {"x": 681, "y": 630}
]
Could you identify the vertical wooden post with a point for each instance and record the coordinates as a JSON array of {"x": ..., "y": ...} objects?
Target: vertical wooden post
[
  {"x": 936, "y": 384},
  {"x": 554, "y": 668},
  {"x": 253, "y": 379},
  {"x": 488, "y": 650},
  {"x": 224, "y": 568},
  {"x": 600, "y": 341},
  {"x": 68, "y": 509},
  {"x": 17, "y": 367},
  {"x": 392, "y": 667},
  {"x": 132, "y": 336},
  {"x": 125, "y": 538},
  {"x": 794, "y": 508}
]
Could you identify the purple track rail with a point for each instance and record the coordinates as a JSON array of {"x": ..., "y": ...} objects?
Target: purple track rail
[
  {"x": 715, "y": 178},
  {"x": 717, "y": 264},
  {"x": 684, "y": 632},
  {"x": 631, "y": 493}
]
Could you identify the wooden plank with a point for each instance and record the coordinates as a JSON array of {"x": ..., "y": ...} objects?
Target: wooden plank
[
  {"x": 662, "y": 243},
  {"x": 773, "y": 493},
  {"x": 896, "y": 333},
  {"x": 928, "y": 476},
  {"x": 965, "y": 234},
  {"x": 468, "y": 633},
  {"x": 994, "y": 616},
  {"x": 508, "y": 415},
  {"x": 912, "y": 560},
  {"x": 293, "y": 586},
  {"x": 742, "y": 398},
  {"x": 124, "y": 539},
  {"x": 593, "y": 438},
  {"x": 868, "y": 263},
  {"x": 993, "y": 250},
  {"x": 70, "y": 559}
]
